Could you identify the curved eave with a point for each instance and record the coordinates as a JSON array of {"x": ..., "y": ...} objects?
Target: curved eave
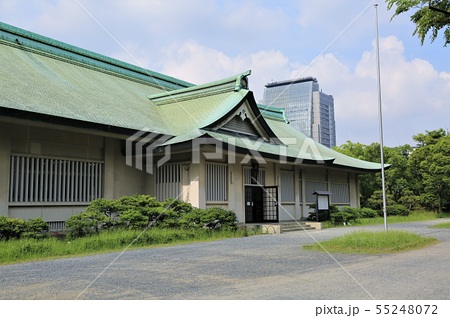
[
  {"x": 359, "y": 170},
  {"x": 269, "y": 150},
  {"x": 70, "y": 122}
]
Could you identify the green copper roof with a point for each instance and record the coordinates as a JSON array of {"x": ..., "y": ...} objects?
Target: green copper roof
[
  {"x": 48, "y": 86},
  {"x": 36, "y": 43},
  {"x": 277, "y": 151},
  {"x": 273, "y": 113},
  {"x": 300, "y": 142},
  {"x": 50, "y": 79},
  {"x": 196, "y": 107}
]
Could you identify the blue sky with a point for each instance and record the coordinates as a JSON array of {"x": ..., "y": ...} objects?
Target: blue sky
[{"x": 333, "y": 40}]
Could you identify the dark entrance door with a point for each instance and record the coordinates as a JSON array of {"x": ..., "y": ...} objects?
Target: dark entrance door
[{"x": 261, "y": 204}]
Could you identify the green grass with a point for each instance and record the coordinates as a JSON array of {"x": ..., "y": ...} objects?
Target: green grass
[
  {"x": 381, "y": 242},
  {"x": 415, "y": 216},
  {"x": 445, "y": 225},
  {"x": 24, "y": 250}
]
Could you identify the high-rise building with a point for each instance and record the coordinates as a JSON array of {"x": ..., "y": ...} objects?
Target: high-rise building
[{"x": 307, "y": 108}]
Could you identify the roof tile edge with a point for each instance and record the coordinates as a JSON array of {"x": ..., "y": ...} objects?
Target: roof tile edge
[{"x": 24, "y": 38}]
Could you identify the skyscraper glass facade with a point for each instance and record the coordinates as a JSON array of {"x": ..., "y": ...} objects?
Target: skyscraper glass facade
[{"x": 307, "y": 108}]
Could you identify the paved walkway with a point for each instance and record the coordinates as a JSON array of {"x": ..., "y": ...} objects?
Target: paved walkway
[{"x": 257, "y": 267}]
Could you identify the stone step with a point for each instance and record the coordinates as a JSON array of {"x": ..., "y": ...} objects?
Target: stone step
[
  {"x": 294, "y": 226},
  {"x": 284, "y": 227}
]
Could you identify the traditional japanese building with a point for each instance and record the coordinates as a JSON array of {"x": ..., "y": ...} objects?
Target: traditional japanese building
[{"x": 76, "y": 125}]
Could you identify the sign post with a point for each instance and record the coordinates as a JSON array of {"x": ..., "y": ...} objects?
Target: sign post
[{"x": 322, "y": 203}]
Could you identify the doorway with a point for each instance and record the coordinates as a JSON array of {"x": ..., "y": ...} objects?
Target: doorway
[{"x": 261, "y": 204}]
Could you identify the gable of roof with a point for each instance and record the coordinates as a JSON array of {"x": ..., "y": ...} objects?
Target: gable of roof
[{"x": 212, "y": 106}]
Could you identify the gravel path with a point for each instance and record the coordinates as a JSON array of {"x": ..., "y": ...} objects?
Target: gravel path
[{"x": 257, "y": 267}]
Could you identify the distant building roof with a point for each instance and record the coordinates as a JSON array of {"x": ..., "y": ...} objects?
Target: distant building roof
[{"x": 293, "y": 81}]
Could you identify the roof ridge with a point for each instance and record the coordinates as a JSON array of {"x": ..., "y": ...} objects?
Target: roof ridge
[
  {"x": 20, "y": 37},
  {"x": 229, "y": 84}
]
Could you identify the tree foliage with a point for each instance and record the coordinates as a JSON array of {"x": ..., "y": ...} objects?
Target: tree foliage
[
  {"x": 419, "y": 177},
  {"x": 430, "y": 17}
]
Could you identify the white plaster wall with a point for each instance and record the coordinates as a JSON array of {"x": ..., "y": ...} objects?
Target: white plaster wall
[
  {"x": 46, "y": 140},
  {"x": 46, "y": 212},
  {"x": 287, "y": 212}
]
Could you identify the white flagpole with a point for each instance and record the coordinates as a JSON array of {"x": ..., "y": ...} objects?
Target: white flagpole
[{"x": 380, "y": 115}]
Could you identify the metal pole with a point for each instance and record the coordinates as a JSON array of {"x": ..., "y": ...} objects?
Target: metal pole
[{"x": 380, "y": 117}]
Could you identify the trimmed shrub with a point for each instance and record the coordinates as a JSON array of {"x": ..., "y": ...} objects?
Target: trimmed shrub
[
  {"x": 11, "y": 228},
  {"x": 367, "y": 213},
  {"x": 396, "y": 209},
  {"x": 347, "y": 214},
  {"x": 35, "y": 228},
  {"x": 139, "y": 211},
  {"x": 226, "y": 218},
  {"x": 199, "y": 218},
  {"x": 178, "y": 206},
  {"x": 134, "y": 219},
  {"x": 146, "y": 205},
  {"x": 354, "y": 212},
  {"x": 105, "y": 206},
  {"x": 342, "y": 217},
  {"x": 169, "y": 218},
  {"x": 139, "y": 201},
  {"x": 193, "y": 219},
  {"x": 86, "y": 222}
]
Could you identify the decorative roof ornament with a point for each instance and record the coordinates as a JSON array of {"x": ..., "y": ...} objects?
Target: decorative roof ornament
[{"x": 242, "y": 81}]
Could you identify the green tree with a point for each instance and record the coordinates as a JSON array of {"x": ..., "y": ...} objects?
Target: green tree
[
  {"x": 369, "y": 183},
  {"x": 397, "y": 177},
  {"x": 429, "y": 16},
  {"x": 437, "y": 173},
  {"x": 418, "y": 176},
  {"x": 429, "y": 167},
  {"x": 397, "y": 180}
]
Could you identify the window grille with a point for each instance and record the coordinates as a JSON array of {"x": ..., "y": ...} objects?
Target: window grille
[
  {"x": 56, "y": 225},
  {"x": 36, "y": 179},
  {"x": 311, "y": 186},
  {"x": 287, "y": 183},
  {"x": 248, "y": 176},
  {"x": 340, "y": 193},
  {"x": 168, "y": 181},
  {"x": 216, "y": 182}
]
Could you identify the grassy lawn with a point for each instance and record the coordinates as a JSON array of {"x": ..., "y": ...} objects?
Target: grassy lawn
[
  {"x": 25, "y": 250},
  {"x": 415, "y": 216},
  {"x": 445, "y": 225},
  {"x": 381, "y": 242}
]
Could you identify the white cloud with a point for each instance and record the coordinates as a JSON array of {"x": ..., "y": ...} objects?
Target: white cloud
[
  {"x": 202, "y": 41},
  {"x": 196, "y": 63},
  {"x": 133, "y": 53},
  {"x": 63, "y": 17},
  {"x": 412, "y": 90}
]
